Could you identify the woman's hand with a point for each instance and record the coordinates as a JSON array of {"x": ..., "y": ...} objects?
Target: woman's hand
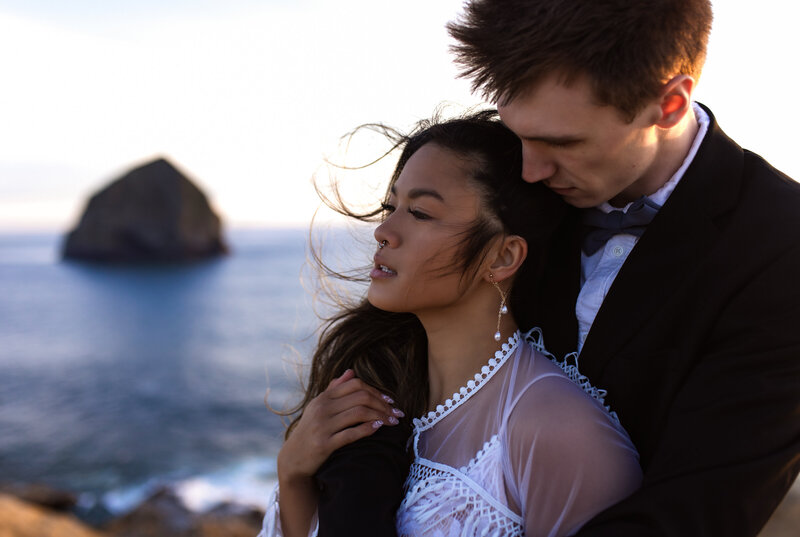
[{"x": 346, "y": 411}]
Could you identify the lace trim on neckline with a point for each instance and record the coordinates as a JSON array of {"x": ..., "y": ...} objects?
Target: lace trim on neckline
[{"x": 465, "y": 392}]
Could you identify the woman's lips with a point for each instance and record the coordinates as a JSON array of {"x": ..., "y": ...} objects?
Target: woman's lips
[{"x": 381, "y": 270}]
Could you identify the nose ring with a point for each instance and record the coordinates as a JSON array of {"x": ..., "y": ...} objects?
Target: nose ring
[{"x": 381, "y": 244}]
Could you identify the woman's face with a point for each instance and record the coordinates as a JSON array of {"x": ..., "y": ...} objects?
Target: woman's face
[{"x": 430, "y": 206}]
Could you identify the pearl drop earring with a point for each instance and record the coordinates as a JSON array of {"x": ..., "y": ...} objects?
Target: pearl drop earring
[{"x": 503, "y": 308}]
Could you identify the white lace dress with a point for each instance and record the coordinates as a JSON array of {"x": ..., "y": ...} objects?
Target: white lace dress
[
  {"x": 525, "y": 448},
  {"x": 522, "y": 449}
]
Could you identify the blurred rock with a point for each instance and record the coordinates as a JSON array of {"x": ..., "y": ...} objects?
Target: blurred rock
[
  {"x": 22, "y": 519},
  {"x": 161, "y": 514},
  {"x": 151, "y": 214},
  {"x": 230, "y": 520},
  {"x": 41, "y": 495},
  {"x": 164, "y": 514}
]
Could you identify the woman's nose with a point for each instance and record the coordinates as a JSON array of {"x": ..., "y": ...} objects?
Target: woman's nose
[{"x": 386, "y": 235}]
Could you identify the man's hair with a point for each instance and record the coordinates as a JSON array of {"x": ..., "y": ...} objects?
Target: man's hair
[{"x": 627, "y": 48}]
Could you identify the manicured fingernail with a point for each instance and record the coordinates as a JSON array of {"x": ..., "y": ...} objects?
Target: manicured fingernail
[
  {"x": 398, "y": 412},
  {"x": 376, "y": 424},
  {"x": 393, "y": 420},
  {"x": 387, "y": 399}
]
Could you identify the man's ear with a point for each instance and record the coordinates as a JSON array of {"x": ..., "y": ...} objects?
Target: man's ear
[
  {"x": 507, "y": 257},
  {"x": 675, "y": 100}
]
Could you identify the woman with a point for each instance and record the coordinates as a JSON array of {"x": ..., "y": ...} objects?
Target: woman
[{"x": 510, "y": 445}]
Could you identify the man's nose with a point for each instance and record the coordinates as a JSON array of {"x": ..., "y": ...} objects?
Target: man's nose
[{"x": 536, "y": 165}]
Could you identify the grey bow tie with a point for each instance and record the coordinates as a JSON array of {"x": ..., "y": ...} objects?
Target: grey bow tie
[{"x": 602, "y": 226}]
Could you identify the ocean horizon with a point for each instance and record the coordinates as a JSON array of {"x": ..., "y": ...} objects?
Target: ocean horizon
[{"x": 117, "y": 380}]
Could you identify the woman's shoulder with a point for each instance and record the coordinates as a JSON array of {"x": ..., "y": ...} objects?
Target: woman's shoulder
[
  {"x": 533, "y": 368},
  {"x": 562, "y": 446},
  {"x": 561, "y": 418},
  {"x": 553, "y": 391}
]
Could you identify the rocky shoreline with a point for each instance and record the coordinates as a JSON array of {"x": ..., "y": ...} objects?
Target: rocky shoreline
[{"x": 40, "y": 511}]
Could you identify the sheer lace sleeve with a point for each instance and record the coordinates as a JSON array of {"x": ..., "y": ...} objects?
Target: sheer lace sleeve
[
  {"x": 271, "y": 526},
  {"x": 567, "y": 460}
]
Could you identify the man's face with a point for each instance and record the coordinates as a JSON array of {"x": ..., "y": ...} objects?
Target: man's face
[{"x": 584, "y": 152}]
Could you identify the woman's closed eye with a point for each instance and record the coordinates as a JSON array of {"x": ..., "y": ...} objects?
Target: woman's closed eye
[
  {"x": 388, "y": 209},
  {"x": 419, "y": 215}
]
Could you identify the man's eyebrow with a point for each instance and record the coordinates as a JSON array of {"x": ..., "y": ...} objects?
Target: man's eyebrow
[{"x": 415, "y": 193}]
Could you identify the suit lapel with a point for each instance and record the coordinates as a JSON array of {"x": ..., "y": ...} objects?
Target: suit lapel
[{"x": 674, "y": 243}]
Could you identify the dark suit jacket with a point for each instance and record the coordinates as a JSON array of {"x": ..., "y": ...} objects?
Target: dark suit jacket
[
  {"x": 698, "y": 345},
  {"x": 361, "y": 484}
]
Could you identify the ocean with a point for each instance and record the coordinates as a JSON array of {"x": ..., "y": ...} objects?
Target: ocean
[{"x": 117, "y": 380}]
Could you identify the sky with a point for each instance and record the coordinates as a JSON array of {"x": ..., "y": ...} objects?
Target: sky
[{"x": 249, "y": 97}]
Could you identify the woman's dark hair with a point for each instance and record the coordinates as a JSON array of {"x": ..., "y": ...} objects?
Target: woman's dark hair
[{"x": 389, "y": 350}]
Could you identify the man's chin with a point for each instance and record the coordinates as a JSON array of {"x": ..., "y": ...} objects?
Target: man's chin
[{"x": 576, "y": 198}]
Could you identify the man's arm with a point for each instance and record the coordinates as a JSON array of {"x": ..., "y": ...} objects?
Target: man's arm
[
  {"x": 730, "y": 447},
  {"x": 361, "y": 485}
]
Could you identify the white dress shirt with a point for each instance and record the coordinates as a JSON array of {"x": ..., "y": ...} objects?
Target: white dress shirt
[{"x": 599, "y": 270}]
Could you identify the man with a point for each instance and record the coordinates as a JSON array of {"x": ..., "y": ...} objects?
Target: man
[{"x": 691, "y": 322}]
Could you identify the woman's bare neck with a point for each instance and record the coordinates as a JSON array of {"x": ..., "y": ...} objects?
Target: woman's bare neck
[{"x": 459, "y": 344}]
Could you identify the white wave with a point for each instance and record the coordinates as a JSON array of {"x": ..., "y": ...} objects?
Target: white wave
[{"x": 247, "y": 483}]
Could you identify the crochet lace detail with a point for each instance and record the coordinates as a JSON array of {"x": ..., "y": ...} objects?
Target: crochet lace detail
[
  {"x": 569, "y": 365},
  {"x": 473, "y": 462},
  {"x": 458, "y": 398},
  {"x": 441, "y": 502}
]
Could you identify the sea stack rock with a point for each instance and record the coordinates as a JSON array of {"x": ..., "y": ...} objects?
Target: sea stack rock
[{"x": 151, "y": 214}]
